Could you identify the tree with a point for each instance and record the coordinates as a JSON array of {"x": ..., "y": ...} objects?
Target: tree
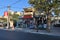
[
  {"x": 13, "y": 16},
  {"x": 45, "y": 5}
]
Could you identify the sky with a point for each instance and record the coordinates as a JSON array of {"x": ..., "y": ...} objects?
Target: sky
[{"x": 14, "y": 6}]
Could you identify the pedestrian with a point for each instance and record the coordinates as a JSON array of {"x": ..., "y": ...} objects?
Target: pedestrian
[
  {"x": 45, "y": 22},
  {"x": 38, "y": 23}
]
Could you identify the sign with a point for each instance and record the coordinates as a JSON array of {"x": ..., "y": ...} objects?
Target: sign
[
  {"x": 5, "y": 13},
  {"x": 27, "y": 16}
]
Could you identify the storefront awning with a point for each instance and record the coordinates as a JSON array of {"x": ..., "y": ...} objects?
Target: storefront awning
[{"x": 27, "y": 16}]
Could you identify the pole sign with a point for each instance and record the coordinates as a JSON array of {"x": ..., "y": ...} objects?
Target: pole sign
[{"x": 5, "y": 13}]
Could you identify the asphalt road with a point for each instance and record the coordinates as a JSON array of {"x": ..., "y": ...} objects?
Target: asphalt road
[{"x": 19, "y": 35}]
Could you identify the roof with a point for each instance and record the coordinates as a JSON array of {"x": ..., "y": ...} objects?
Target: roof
[{"x": 28, "y": 9}]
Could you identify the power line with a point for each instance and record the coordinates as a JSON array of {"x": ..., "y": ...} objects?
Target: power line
[
  {"x": 16, "y": 7},
  {"x": 10, "y": 4},
  {"x": 15, "y": 2},
  {"x": 3, "y": 7}
]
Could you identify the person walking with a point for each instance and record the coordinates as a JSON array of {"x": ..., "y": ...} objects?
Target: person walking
[
  {"x": 45, "y": 22},
  {"x": 39, "y": 21}
]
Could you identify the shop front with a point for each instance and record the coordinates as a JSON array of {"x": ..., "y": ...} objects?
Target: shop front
[{"x": 28, "y": 19}]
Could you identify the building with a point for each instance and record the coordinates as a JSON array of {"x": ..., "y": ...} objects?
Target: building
[
  {"x": 28, "y": 12},
  {"x": 1, "y": 18},
  {"x": 26, "y": 16},
  {"x": 10, "y": 17}
]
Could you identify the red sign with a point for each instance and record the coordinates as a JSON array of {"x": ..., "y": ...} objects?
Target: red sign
[
  {"x": 5, "y": 13},
  {"x": 27, "y": 16}
]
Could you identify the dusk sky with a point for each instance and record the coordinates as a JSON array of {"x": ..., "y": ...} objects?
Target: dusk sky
[{"x": 15, "y": 7}]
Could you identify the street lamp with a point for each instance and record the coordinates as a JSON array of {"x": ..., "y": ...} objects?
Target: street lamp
[{"x": 8, "y": 17}]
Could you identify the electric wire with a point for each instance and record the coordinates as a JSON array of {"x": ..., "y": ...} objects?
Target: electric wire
[{"x": 10, "y": 4}]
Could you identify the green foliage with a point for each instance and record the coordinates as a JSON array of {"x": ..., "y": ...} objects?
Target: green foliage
[
  {"x": 37, "y": 4},
  {"x": 43, "y": 4},
  {"x": 13, "y": 16},
  {"x": 32, "y": 1},
  {"x": 57, "y": 12}
]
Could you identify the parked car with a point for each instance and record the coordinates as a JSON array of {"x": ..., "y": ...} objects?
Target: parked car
[{"x": 57, "y": 24}]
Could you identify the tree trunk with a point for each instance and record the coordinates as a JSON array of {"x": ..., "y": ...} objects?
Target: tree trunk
[
  {"x": 48, "y": 22},
  {"x": 48, "y": 25}
]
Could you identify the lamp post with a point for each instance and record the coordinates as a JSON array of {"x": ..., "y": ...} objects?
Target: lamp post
[{"x": 8, "y": 19}]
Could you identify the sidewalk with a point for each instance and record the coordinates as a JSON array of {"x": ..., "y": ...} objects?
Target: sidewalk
[
  {"x": 6, "y": 29},
  {"x": 54, "y": 31}
]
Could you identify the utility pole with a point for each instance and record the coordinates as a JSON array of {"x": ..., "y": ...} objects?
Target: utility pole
[{"x": 8, "y": 18}]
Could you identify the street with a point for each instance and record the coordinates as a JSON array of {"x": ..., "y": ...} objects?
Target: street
[{"x": 19, "y": 35}]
